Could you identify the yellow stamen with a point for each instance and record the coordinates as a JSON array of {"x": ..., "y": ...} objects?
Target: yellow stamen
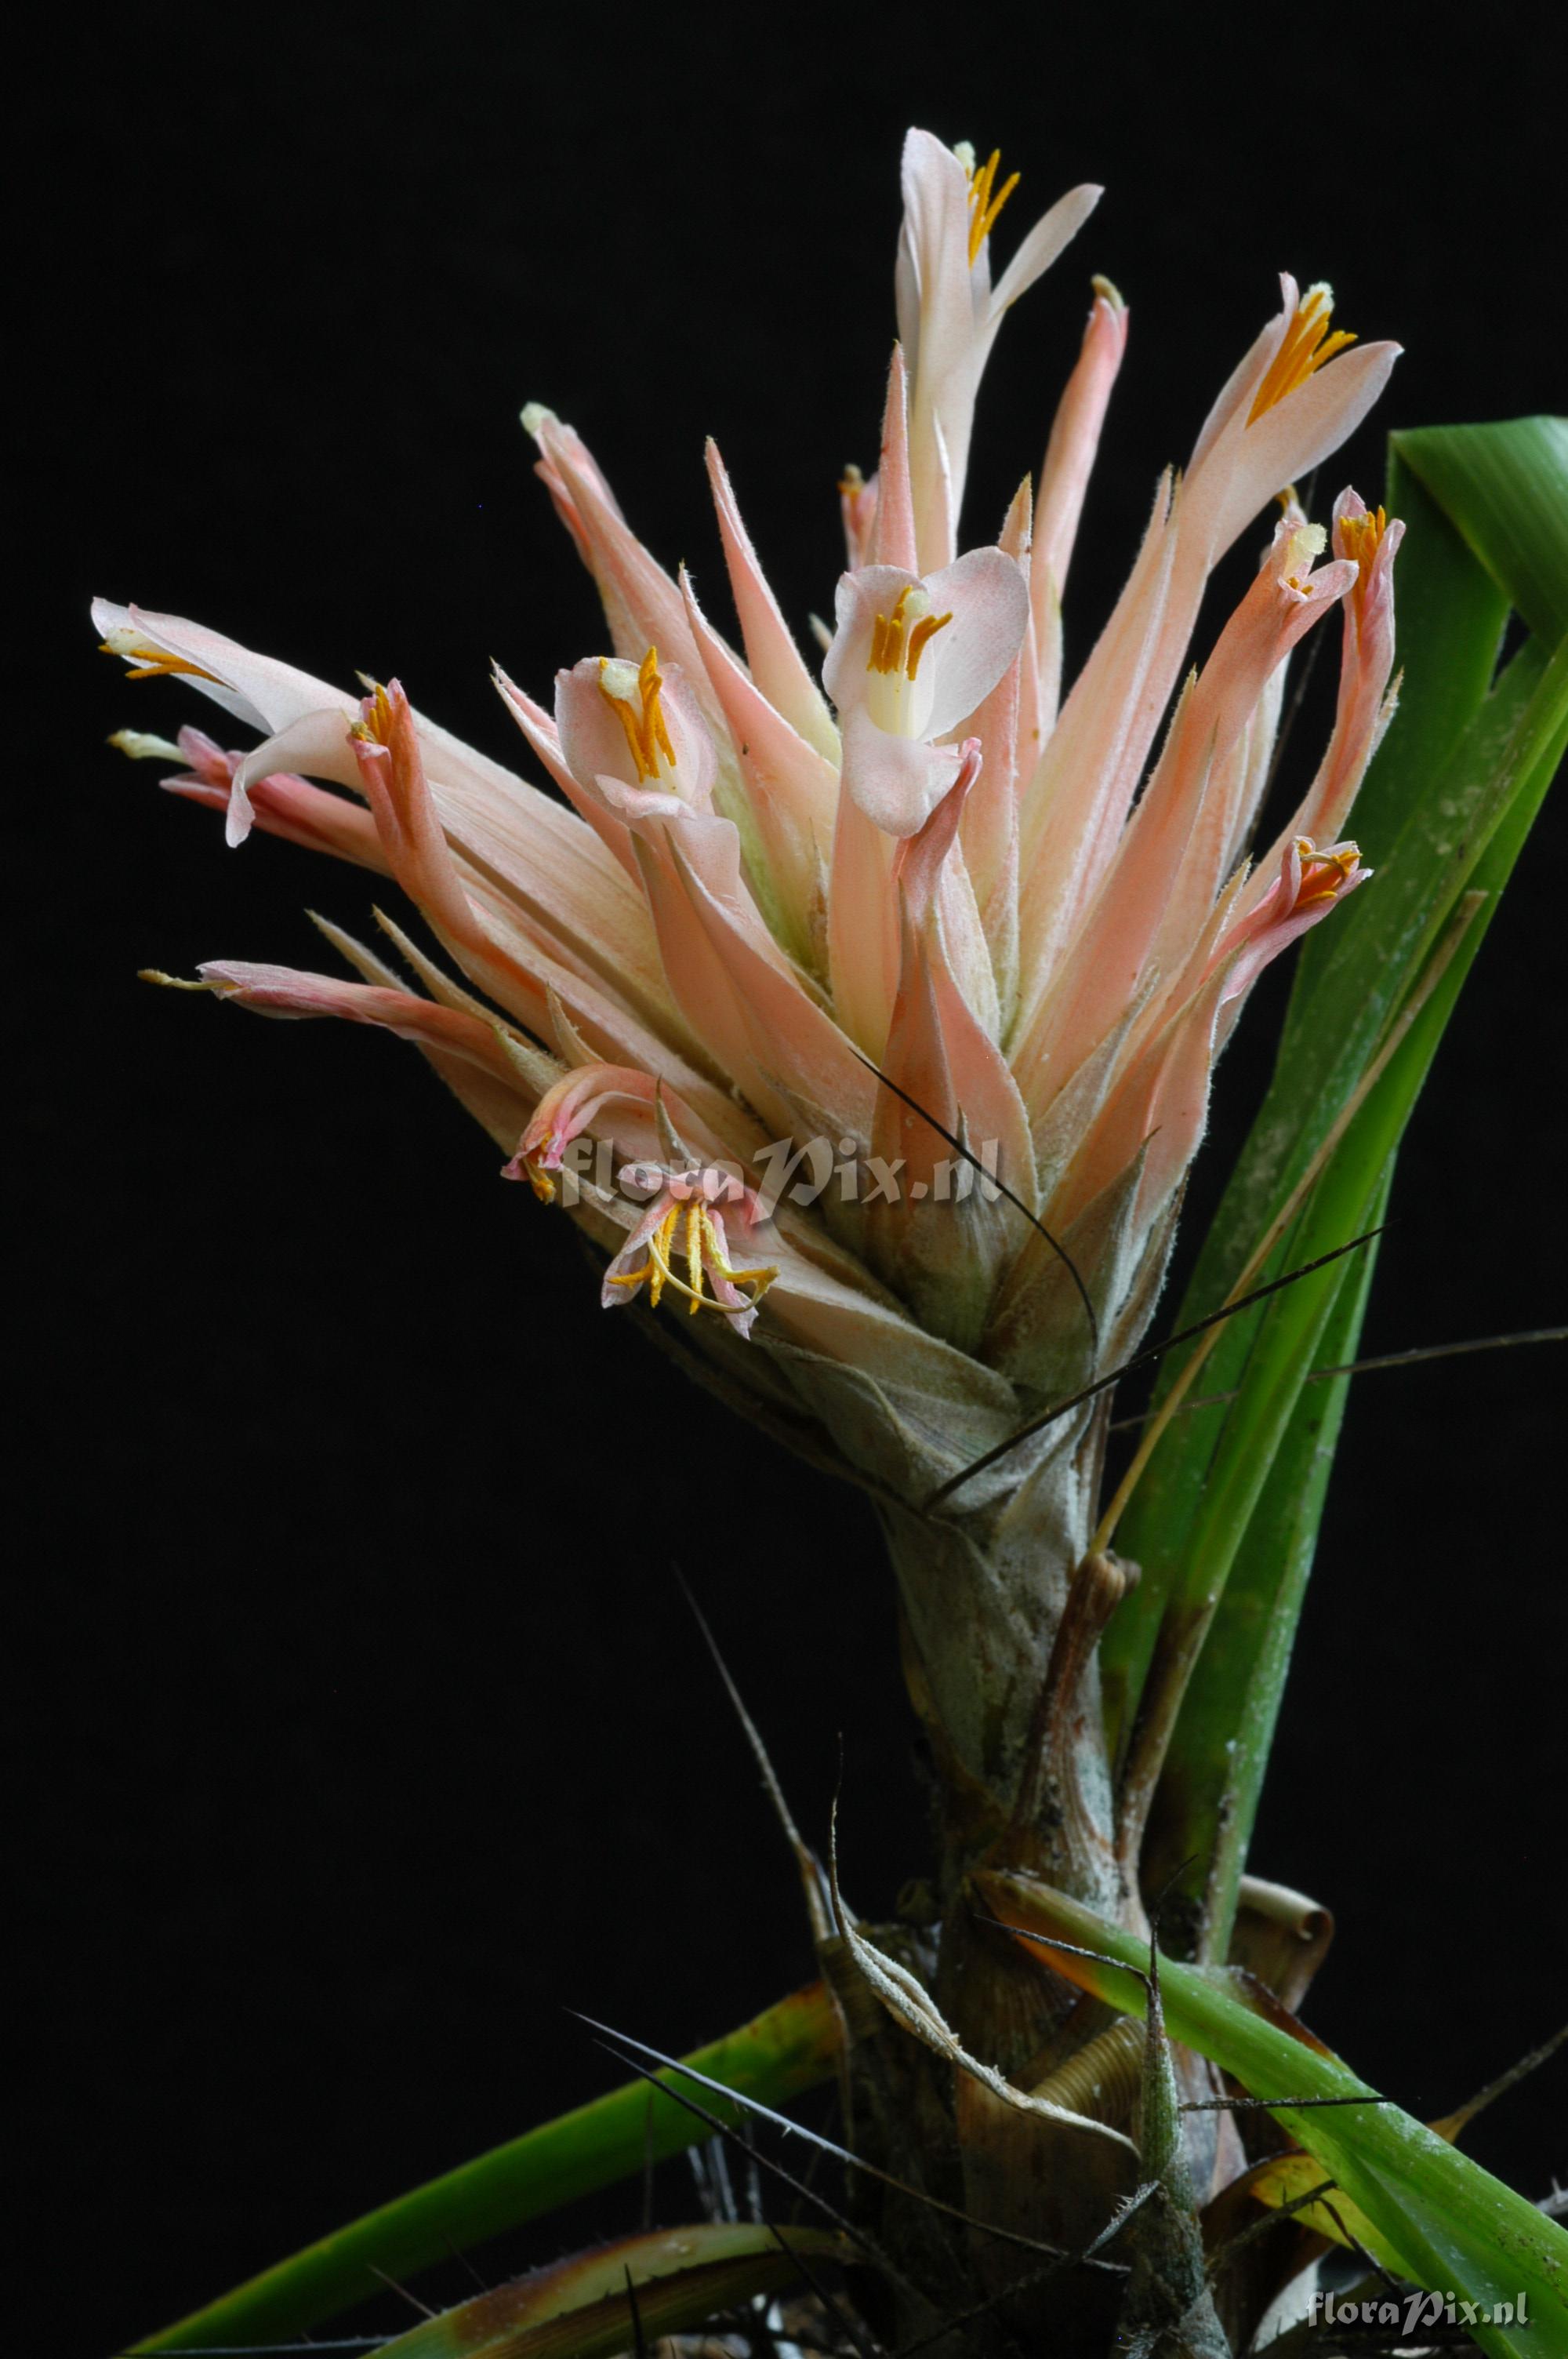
[
  {"x": 760, "y": 1278},
  {"x": 659, "y": 1270},
  {"x": 1360, "y": 536},
  {"x": 152, "y": 663},
  {"x": 923, "y": 633},
  {"x": 647, "y": 734},
  {"x": 897, "y": 644},
  {"x": 703, "y": 1255},
  {"x": 1306, "y": 346},
  {"x": 539, "y": 1179},
  {"x": 1323, "y": 872},
  {"x": 983, "y": 207},
  {"x": 374, "y": 728}
]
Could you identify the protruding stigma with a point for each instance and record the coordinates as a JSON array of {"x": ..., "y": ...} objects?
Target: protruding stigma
[
  {"x": 140, "y": 745},
  {"x": 1307, "y": 543}
]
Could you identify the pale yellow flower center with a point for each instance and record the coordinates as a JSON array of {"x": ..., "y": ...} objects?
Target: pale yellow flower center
[{"x": 899, "y": 696}]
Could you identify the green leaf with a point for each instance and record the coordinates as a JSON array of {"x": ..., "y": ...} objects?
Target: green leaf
[
  {"x": 1442, "y": 812},
  {"x": 1505, "y": 489},
  {"x": 1214, "y": 1773},
  {"x": 790, "y": 2047},
  {"x": 1452, "y": 2227},
  {"x": 581, "y": 2308}
]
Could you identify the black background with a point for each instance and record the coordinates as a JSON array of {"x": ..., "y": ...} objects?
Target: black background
[{"x": 362, "y": 1726}]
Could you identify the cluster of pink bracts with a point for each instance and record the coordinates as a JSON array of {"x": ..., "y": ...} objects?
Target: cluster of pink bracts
[{"x": 749, "y": 893}]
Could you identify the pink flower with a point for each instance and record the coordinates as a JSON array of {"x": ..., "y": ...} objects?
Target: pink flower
[
  {"x": 685, "y": 1228},
  {"x": 910, "y": 660},
  {"x": 950, "y": 313},
  {"x": 741, "y": 888},
  {"x": 1310, "y": 884}
]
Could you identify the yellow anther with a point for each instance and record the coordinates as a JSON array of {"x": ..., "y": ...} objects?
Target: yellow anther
[
  {"x": 151, "y": 663},
  {"x": 704, "y": 1256},
  {"x": 656, "y": 1268},
  {"x": 897, "y": 644},
  {"x": 647, "y": 734},
  {"x": 374, "y": 727},
  {"x": 983, "y": 207},
  {"x": 539, "y": 1179},
  {"x": 1306, "y": 346},
  {"x": 1360, "y": 536},
  {"x": 923, "y": 631},
  {"x": 1323, "y": 872}
]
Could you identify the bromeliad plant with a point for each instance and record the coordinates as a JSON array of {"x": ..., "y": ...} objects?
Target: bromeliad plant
[{"x": 868, "y": 1026}]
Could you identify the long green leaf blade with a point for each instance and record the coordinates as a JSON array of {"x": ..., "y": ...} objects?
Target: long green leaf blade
[
  {"x": 1200, "y": 1818},
  {"x": 1432, "y": 822},
  {"x": 1508, "y": 752},
  {"x": 1502, "y": 486},
  {"x": 1208, "y": 1797},
  {"x": 581, "y": 2308},
  {"x": 789, "y": 2048},
  {"x": 1218, "y": 1760}
]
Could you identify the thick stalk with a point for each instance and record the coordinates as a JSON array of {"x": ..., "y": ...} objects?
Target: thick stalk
[
  {"x": 986, "y": 1600},
  {"x": 999, "y": 1624}
]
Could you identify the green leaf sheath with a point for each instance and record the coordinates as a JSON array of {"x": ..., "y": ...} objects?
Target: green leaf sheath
[
  {"x": 789, "y": 2048},
  {"x": 1455, "y": 2228},
  {"x": 1443, "y": 812}
]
